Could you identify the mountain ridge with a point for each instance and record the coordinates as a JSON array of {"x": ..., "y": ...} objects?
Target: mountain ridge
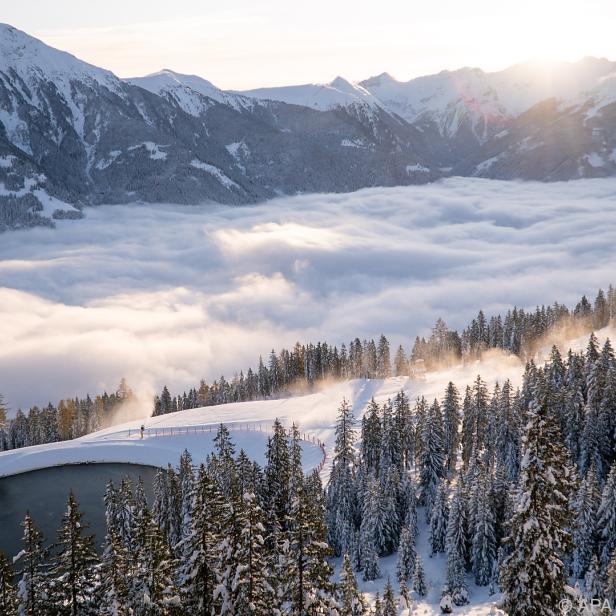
[{"x": 73, "y": 134}]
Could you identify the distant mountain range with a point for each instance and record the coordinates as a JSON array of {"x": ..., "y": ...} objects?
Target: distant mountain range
[{"x": 72, "y": 134}]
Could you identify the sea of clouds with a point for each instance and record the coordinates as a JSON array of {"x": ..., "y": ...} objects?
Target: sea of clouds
[{"x": 170, "y": 294}]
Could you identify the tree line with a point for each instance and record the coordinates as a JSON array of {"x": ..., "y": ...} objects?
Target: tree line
[
  {"x": 517, "y": 487},
  {"x": 68, "y": 419},
  {"x": 287, "y": 371}
]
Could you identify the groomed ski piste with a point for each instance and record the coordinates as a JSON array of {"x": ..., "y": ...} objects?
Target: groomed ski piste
[{"x": 250, "y": 423}]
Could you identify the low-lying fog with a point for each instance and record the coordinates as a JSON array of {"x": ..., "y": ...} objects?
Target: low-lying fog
[{"x": 171, "y": 294}]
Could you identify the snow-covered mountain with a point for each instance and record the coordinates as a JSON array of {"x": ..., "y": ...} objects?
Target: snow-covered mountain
[
  {"x": 338, "y": 93},
  {"x": 190, "y": 92},
  {"x": 82, "y": 135},
  {"x": 72, "y": 134},
  {"x": 485, "y": 101}
]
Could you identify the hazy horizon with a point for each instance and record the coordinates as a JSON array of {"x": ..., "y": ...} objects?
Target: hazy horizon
[{"x": 274, "y": 44}]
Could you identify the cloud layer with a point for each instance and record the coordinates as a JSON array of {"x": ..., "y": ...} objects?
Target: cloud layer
[{"x": 169, "y": 294}]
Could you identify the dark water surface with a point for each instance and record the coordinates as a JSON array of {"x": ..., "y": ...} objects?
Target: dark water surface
[{"x": 44, "y": 493}]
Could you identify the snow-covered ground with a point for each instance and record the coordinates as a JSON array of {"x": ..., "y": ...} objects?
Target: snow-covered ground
[{"x": 166, "y": 436}]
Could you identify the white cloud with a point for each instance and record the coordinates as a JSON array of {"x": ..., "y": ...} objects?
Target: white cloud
[{"x": 170, "y": 294}]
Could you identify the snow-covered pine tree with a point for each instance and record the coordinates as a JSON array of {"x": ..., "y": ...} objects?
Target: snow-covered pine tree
[
  {"x": 389, "y": 602},
  {"x": 431, "y": 461},
  {"x": 458, "y": 539},
  {"x": 405, "y": 564},
  {"x": 222, "y": 463},
  {"x": 8, "y": 593},
  {"x": 483, "y": 548},
  {"x": 438, "y": 520},
  {"x": 252, "y": 593},
  {"x": 606, "y": 519},
  {"x": 296, "y": 473},
  {"x": 507, "y": 445},
  {"x": 371, "y": 438},
  {"x": 404, "y": 426},
  {"x": 451, "y": 426},
  {"x": 457, "y": 542},
  {"x": 369, "y": 559},
  {"x": 32, "y": 596},
  {"x": 166, "y": 507},
  {"x": 391, "y": 445},
  {"x": 595, "y": 443},
  {"x": 350, "y": 600},
  {"x": 533, "y": 576},
  {"x": 311, "y": 589},
  {"x": 383, "y": 362},
  {"x": 198, "y": 572},
  {"x": 155, "y": 584},
  {"x": 73, "y": 570},
  {"x": 586, "y": 505},
  {"x": 419, "y": 578},
  {"x": 115, "y": 575},
  {"x": 378, "y": 605},
  {"x": 379, "y": 518},
  {"x": 341, "y": 492},
  {"x": 401, "y": 364},
  {"x": 389, "y": 509},
  {"x": 277, "y": 474},
  {"x": 186, "y": 477}
]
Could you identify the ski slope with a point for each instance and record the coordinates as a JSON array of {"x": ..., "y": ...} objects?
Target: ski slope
[{"x": 167, "y": 436}]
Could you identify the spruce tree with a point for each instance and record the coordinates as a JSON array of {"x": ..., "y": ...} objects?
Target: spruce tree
[
  {"x": 389, "y": 602},
  {"x": 606, "y": 519},
  {"x": 419, "y": 578},
  {"x": 341, "y": 493},
  {"x": 378, "y": 605},
  {"x": 8, "y": 593},
  {"x": 370, "y": 560},
  {"x": 457, "y": 542},
  {"x": 533, "y": 575},
  {"x": 350, "y": 600},
  {"x": 73, "y": 568},
  {"x": 311, "y": 589},
  {"x": 451, "y": 426},
  {"x": 252, "y": 593},
  {"x": 438, "y": 520},
  {"x": 431, "y": 461},
  {"x": 155, "y": 585},
  {"x": 277, "y": 474},
  {"x": 483, "y": 549},
  {"x": 32, "y": 596},
  {"x": 114, "y": 592},
  {"x": 584, "y": 531},
  {"x": 199, "y": 573},
  {"x": 406, "y": 556},
  {"x": 371, "y": 438}
]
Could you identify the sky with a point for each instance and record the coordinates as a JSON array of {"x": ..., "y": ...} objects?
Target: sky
[
  {"x": 245, "y": 44},
  {"x": 172, "y": 294}
]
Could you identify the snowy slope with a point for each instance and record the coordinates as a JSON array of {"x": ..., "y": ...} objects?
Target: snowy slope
[
  {"x": 32, "y": 60},
  {"x": 486, "y": 100},
  {"x": 29, "y": 63},
  {"x": 189, "y": 91},
  {"x": 321, "y": 97},
  {"x": 167, "y": 436}
]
